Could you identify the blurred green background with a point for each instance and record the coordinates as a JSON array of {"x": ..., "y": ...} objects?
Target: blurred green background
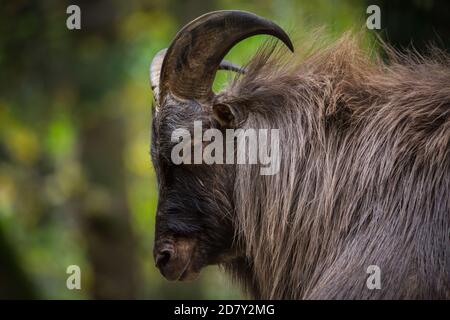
[{"x": 77, "y": 185}]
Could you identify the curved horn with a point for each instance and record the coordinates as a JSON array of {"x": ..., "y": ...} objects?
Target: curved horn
[
  {"x": 155, "y": 72},
  {"x": 191, "y": 62},
  {"x": 230, "y": 66},
  {"x": 156, "y": 64}
]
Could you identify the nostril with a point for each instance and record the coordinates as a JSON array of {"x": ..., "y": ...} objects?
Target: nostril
[{"x": 163, "y": 257}]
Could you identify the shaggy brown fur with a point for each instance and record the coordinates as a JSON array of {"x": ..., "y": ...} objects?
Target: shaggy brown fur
[{"x": 364, "y": 178}]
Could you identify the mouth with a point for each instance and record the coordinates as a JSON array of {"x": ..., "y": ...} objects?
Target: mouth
[{"x": 187, "y": 274}]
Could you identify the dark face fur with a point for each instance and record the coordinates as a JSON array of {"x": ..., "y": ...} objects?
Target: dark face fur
[{"x": 193, "y": 221}]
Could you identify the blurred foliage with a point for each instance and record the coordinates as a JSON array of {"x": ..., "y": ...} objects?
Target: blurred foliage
[{"x": 76, "y": 180}]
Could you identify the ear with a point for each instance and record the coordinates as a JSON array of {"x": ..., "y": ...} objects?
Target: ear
[{"x": 224, "y": 114}]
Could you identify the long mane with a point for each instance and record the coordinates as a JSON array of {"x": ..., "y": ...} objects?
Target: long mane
[{"x": 364, "y": 176}]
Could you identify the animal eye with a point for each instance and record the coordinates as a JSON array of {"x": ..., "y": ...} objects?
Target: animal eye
[{"x": 223, "y": 114}]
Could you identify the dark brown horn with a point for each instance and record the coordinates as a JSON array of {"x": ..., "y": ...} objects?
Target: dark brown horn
[
  {"x": 230, "y": 66},
  {"x": 192, "y": 60},
  {"x": 155, "y": 70}
]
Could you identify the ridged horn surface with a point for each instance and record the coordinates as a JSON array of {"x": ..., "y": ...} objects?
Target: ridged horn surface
[
  {"x": 195, "y": 54},
  {"x": 155, "y": 70}
]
